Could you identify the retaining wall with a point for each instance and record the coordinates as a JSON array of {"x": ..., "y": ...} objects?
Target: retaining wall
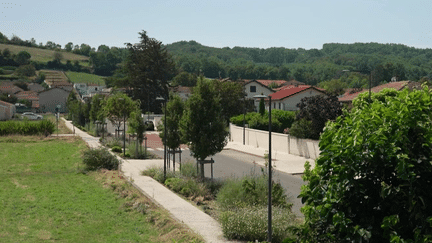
[{"x": 285, "y": 143}]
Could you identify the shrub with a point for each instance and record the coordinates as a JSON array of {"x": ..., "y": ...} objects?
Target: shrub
[
  {"x": 188, "y": 169},
  {"x": 42, "y": 127},
  {"x": 372, "y": 180},
  {"x": 113, "y": 142},
  {"x": 187, "y": 187},
  {"x": 280, "y": 120},
  {"x": 301, "y": 129},
  {"x": 137, "y": 153},
  {"x": 117, "y": 149},
  {"x": 251, "y": 190},
  {"x": 99, "y": 158},
  {"x": 250, "y": 223},
  {"x": 158, "y": 174}
]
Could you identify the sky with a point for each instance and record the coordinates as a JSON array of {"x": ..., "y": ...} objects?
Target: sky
[{"x": 221, "y": 23}]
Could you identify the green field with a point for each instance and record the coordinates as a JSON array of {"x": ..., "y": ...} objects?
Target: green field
[
  {"x": 43, "y": 55},
  {"x": 76, "y": 77},
  {"x": 43, "y": 197}
]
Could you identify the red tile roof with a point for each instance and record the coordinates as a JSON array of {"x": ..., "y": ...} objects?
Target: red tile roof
[
  {"x": 290, "y": 90},
  {"x": 10, "y": 88},
  {"x": 347, "y": 97},
  {"x": 267, "y": 82},
  {"x": 27, "y": 95}
]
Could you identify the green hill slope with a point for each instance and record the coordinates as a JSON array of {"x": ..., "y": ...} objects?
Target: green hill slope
[{"x": 44, "y": 55}]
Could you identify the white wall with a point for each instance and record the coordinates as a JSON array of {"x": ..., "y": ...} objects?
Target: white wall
[{"x": 280, "y": 142}]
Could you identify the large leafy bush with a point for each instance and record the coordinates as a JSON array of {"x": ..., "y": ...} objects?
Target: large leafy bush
[
  {"x": 373, "y": 180},
  {"x": 99, "y": 158}
]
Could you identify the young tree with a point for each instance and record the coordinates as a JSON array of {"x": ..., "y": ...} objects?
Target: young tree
[
  {"x": 202, "y": 124},
  {"x": 174, "y": 110},
  {"x": 148, "y": 67},
  {"x": 118, "y": 107},
  {"x": 137, "y": 126},
  {"x": 96, "y": 110},
  {"x": 372, "y": 181}
]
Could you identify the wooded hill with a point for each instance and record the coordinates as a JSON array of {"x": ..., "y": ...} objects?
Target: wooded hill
[
  {"x": 352, "y": 65},
  {"x": 355, "y": 62}
]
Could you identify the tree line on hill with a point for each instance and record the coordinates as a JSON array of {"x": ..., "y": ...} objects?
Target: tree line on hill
[
  {"x": 353, "y": 65},
  {"x": 356, "y": 63}
]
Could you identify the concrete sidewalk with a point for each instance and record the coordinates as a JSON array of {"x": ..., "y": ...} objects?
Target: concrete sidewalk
[
  {"x": 180, "y": 209},
  {"x": 284, "y": 162}
]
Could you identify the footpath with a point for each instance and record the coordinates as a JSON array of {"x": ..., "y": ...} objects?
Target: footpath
[{"x": 180, "y": 209}]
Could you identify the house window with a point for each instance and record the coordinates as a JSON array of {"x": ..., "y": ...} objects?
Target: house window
[
  {"x": 279, "y": 106},
  {"x": 252, "y": 89}
]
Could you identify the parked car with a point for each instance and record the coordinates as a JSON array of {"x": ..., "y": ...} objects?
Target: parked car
[
  {"x": 32, "y": 116},
  {"x": 149, "y": 125}
]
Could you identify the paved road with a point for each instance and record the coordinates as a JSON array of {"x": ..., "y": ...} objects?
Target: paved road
[{"x": 229, "y": 163}]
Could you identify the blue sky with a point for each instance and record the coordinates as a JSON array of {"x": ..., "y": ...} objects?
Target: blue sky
[{"x": 222, "y": 23}]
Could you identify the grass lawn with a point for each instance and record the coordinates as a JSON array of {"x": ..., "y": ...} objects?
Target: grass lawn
[
  {"x": 76, "y": 77},
  {"x": 44, "y": 197}
]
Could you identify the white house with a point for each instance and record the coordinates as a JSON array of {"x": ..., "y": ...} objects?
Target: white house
[{"x": 288, "y": 97}]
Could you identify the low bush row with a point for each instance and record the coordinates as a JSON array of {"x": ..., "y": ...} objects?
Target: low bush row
[
  {"x": 42, "y": 127},
  {"x": 241, "y": 203},
  {"x": 280, "y": 120}
]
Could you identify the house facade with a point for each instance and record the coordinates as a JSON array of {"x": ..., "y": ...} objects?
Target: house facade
[
  {"x": 7, "y": 110},
  {"x": 288, "y": 97},
  {"x": 253, "y": 87},
  {"x": 51, "y": 98}
]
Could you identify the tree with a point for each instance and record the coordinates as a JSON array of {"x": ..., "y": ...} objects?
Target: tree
[
  {"x": 232, "y": 98},
  {"x": 69, "y": 46},
  {"x": 118, "y": 108},
  {"x": 96, "y": 110},
  {"x": 136, "y": 125},
  {"x": 26, "y": 70},
  {"x": 261, "y": 107},
  {"x": 372, "y": 181},
  {"x": 202, "y": 124},
  {"x": 58, "y": 57},
  {"x": 23, "y": 58},
  {"x": 335, "y": 86},
  {"x": 174, "y": 110},
  {"x": 317, "y": 109},
  {"x": 184, "y": 79},
  {"x": 148, "y": 68}
]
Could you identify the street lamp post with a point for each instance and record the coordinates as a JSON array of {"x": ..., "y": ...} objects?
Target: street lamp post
[
  {"x": 165, "y": 134},
  {"x": 269, "y": 220}
]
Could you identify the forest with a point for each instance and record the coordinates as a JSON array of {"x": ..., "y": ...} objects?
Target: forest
[{"x": 350, "y": 65}]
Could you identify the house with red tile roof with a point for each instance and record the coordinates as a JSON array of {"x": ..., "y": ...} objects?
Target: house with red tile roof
[
  {"x": 289, "y": 96},
  {"x": 9, "y": 88},
  {"x": 348, "y": 97},
  {"x": 32, "y": 96}
]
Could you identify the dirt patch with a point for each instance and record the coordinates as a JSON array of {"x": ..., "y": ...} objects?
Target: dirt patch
[
  {"x": 44, "y": 235},
  {"x": 29, "y": 198},
  {"x": 15, "y": 181}
]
